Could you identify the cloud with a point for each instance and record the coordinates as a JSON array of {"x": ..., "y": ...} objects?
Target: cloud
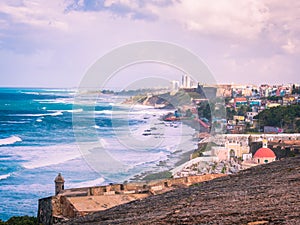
[
  {"x": 244, "y": 19},
  {"x": 290, "y": 46},
  {"x": 225, "y": 18},
  {"x": 58, "y": 40},
  {"x": 134, "y": 9},
  {"x": 31, "y": 13},
  {"x": 277, "y": 69}
]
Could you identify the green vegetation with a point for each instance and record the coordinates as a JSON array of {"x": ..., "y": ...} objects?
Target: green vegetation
[
  {"x": 223, "y": 169},
  {"x": 202, "y": 148},
  {"x": 171, "y": 101},
  {"x": 204, "y": 110},
  {"x": 194, "y": 95},
  {"x": 142, "y": 91},
  {"x": 197, "y": 184},
  {"x": 230, "y": 113},
  {"x": 107, "y": 91},
  {"x": 243, "y": 110},
  {"x": 213, "y": 108},
  {"x": 139, "y": 98},
  {"x": 214, "y": 166},
  {"x": 296, "y": 90},
  {"x": 158, "y": 176},
  {"x": 20, "y": 220},
  {"x": 274, "y": 98},
  {"x": 287, "y": 117},
  {"x": 179, "y": 99}
]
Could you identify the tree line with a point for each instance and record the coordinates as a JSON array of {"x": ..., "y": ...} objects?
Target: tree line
[
  {"x": 20, "y": 220},
  {"x": 286, "y": 117}
]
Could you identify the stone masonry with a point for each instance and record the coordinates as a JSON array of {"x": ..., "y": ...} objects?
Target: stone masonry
[{"x": 79, "y": 202}]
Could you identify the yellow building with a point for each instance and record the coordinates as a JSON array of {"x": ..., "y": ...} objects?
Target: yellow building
[{"x": 236, "y": 148}]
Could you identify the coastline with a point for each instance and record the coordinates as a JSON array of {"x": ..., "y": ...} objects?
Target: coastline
[
  {"x": 152, "y": 175},
  {"x": 176, "y": 158},
  {"x": 184, "y": 158}
]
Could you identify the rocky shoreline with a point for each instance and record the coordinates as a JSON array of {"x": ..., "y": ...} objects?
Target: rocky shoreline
[{"x": 183, "y": 156}]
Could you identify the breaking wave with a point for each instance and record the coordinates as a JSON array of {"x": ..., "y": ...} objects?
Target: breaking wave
[
  {"x": 10, "y": 140},
  {"x": 4, "y": 176}
]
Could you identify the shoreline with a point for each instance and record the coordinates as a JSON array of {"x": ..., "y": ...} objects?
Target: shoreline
[
  {"x": 174, "y": 159},
  {"x": 152, "y": 175},
  {"x": 181, "y": 156},
  {"x": 184, "y": 158}
]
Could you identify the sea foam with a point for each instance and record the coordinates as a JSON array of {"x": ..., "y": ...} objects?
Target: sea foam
[
  {"x": 4, "y": 176},
  {"x": 10, "y": 140},
  {"x": 34, "y": 157},
  {"x": 55, "y": 113},
  {"x": 90, "y": 183}
]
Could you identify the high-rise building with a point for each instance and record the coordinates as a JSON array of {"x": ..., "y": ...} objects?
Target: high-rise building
[
  {"x": 175, "y": 85},
  {"x": 187, "y": 82}
]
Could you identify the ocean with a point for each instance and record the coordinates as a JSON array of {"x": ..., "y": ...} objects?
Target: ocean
[{"x": 92, "y": 142}]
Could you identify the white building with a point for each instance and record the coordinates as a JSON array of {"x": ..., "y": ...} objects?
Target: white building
[
  {"x": 175, "y": 85},
  {"x": 187, "y": 82}
]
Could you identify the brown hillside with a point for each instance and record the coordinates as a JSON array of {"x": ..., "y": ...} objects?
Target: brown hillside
[{"x": 267, "y": 194}]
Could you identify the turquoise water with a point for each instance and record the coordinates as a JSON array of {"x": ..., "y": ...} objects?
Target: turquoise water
[{"x": 37, "y": 141}]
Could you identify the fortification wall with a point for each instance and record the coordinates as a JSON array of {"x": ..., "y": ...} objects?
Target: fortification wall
[
  {"x": 60, "y": 207},
  {"x": 56, "y": 207},
  {"x": 134, "y": 186},
  {"x": 197, "y": 179},
  {"x": 97, "y": 190},
  {"x": 45, "y": 211}
]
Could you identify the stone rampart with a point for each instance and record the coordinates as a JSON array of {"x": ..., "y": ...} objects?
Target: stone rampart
[
  {"x": 65, "y": 206},
  {"x": 45, "y": 211}
]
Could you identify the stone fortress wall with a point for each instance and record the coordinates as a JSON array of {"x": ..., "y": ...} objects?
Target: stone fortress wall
[{"x": 76, "y": 202}]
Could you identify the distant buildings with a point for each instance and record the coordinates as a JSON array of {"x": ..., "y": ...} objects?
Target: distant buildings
[
  {"x": 175, "y": 85},
  {"x": 188, "y": 82},
  {"x": 236, "y": 145},
  {"x": 242, "y": 102},
  {"x": 236, "y": 90}
]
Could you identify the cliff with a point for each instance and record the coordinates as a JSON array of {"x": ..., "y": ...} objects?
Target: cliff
[{"x": 266, "y": 194}]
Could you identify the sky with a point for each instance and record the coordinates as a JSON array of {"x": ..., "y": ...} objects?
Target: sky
[{"x": 53, "y": 43}]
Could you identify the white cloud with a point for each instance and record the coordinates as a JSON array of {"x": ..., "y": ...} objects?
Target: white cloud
[
  {"x": 4, "y": 24},
  {"x": 33, "y": 13},
  {"x": 290, "y": 46},
  {"x": 240, "y": 40},
  {"x": 274, "y": 70},
  {"x": 284, "y": 25},
  {"x": 242, "y": 19}
]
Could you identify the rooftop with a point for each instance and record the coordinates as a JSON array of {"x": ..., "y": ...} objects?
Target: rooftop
[{"x": 264, "y": 153}]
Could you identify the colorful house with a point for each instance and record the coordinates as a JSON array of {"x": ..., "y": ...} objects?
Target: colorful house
[{"x": 240, "y": 101}]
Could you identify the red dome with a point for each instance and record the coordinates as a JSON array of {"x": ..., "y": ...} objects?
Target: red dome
[{"x": 264, "y": 153}]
